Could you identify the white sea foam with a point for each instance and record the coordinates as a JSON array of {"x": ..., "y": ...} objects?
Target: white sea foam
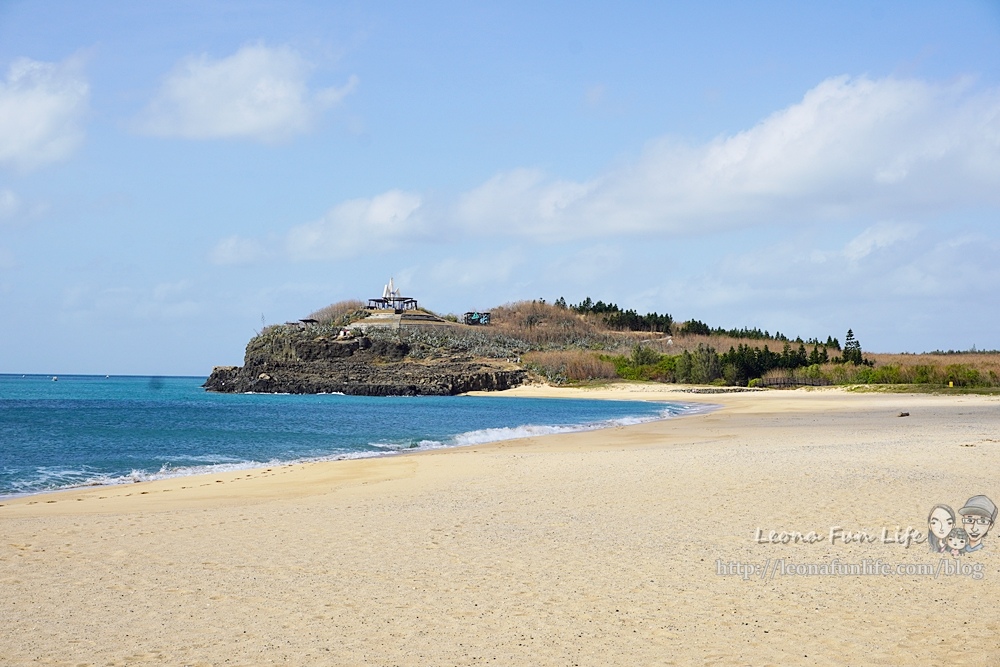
[
  {"x": 201, "y": 458},
  {"x": 51, "y": 477},
  {"x": 57, "y": 479},
  {"x": 483, "y": 436}
]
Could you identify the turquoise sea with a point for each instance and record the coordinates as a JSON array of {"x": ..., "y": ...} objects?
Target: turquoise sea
[{"x": 89, "y": 430}]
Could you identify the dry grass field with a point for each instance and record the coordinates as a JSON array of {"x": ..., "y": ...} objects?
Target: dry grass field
[{"x": 562, "y": 345}]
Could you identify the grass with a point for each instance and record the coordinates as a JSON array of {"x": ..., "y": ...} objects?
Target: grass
[
  {"x": 563, "y": 366},
  {"x": 340, "y": 313},
  {"x": 922, "y": 389},
  {"x": 564, "y": 346}
]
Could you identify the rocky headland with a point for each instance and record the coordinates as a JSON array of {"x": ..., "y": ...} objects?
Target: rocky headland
[{"x": 440, "y": 360}]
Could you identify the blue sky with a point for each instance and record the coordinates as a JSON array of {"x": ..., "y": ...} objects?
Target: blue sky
[{"x": 173, "y": 174}]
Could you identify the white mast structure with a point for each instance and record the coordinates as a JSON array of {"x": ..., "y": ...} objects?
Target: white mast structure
[
  {"x": 390, "y": 292},
  {"x": 392, "y": 298}
]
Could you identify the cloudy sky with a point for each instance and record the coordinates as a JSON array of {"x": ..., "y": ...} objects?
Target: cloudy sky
[{"x": 173, "y": 174}]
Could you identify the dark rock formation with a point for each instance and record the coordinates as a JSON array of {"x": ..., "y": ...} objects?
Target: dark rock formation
[{"x": 294, "y": 361}]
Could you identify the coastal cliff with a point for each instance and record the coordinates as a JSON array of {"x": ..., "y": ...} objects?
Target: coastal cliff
[{"x": 314, "y": 359}]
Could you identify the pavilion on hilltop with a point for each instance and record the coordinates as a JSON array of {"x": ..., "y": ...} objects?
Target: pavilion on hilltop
[{"x": 392, "y": 300}]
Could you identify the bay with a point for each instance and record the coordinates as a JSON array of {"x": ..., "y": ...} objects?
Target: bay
[{"x": 64, "y": 431}]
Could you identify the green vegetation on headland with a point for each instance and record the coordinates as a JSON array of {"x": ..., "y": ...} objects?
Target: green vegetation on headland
[
  {"x": 593, "y": 340},
  {"x": 692, "y": 353},
  {"x": 566, "y": 343}
]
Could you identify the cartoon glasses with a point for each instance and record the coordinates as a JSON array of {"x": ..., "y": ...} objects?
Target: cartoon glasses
[{"x": 981, "y": 520}]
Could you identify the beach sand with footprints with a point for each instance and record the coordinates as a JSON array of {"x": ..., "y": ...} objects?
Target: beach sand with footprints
[{"x": 782, "y": 528}]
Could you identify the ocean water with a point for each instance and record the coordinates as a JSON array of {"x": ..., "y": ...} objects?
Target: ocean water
[{"x": 90, "y": 430}]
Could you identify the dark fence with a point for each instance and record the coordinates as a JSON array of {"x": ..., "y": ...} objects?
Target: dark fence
[{"x": 794, "y": 382}]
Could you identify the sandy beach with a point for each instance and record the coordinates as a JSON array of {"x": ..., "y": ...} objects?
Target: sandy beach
[{"x": 655, "y": 544}]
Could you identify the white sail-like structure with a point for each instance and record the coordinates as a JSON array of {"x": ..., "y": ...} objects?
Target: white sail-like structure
[
  {"x": 390, "y": 291},
  {"x": 392, "y": 298}
]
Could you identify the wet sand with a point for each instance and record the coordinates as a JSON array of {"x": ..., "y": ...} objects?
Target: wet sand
[{"x": 632, "y": 545}]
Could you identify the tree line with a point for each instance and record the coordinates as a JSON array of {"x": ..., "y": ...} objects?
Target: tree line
[
  {"x": 738, "y": 366},
  {"x": 619, "y": 319},
  {"x": 699, "y": 327}
]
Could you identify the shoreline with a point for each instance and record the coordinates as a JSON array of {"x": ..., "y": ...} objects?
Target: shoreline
[
  {"x": 616, "y": 391},
  {"x": 618, "y": 546},
  {"x": 199, "y": 487},
  {"x": 235, "y": 470}
]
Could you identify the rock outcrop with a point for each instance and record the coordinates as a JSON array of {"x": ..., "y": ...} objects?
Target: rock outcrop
[{"x": 305, "y": 361}]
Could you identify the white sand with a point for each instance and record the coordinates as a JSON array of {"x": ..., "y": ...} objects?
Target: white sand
[{"x": 592, "y": 548}]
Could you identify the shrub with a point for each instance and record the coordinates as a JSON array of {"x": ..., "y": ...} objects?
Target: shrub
[
  {"x": 923, "y": 374},
  {"x": 813, "y": 372},
  {"x": 338, "y": 314},
  {"x": 545, "y": 325},
  {"x": 962, "y": 375},
  {"x": 570, "y": 365},
  {"x": 886, "y": 375},
  {"x": 644, "y": 356}
]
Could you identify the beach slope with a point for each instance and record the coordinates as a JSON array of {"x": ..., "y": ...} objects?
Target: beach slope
[{"x": 659, "y": 543}]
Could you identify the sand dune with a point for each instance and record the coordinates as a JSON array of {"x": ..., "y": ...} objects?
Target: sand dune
[{"x": 618, "y": 547}]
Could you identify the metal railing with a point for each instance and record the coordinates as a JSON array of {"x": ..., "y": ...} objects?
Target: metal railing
[{"x": 794, "y": 382}]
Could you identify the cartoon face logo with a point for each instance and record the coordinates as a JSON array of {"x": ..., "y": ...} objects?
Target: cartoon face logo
[
  {"x": 978, "y": 516},
  {"x": 939, "y": 524},
  {"x": 964, "y": 533},
  {"x": 956, "y": 541}
]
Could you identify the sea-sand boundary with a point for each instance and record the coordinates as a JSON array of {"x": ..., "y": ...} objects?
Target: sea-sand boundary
[{"x": 631, "y": 545}]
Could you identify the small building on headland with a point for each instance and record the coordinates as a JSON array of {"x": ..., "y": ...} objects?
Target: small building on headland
[
  {"x": 391, "y": 299},
  {"x": 302, "y": 324},
  {"x": 394, "y": 311},
  {"x": 476, "y": 318}
]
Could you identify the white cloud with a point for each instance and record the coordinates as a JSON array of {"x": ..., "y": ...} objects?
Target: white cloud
[
  {"x": 851, "y": 152},
  {"x": 915, "y": 299},
  {"x": 170, "y": 301},
  {"x": 15, "y": 210},
  {"x": 852, "y": 147},
  {"x": 480, "y": 270},
  {"x": 372, "y": 225},
  {"x": 42, "y": 106},
  {"x": 258, "y": 93},
  {"x": 522, "y": 202},
  {"x": 164, "y": 302},
  {"x": 880, "y": 235},
  {"x": 236, "y": 250},
  {"x": 795, "y": 271},
  {"x": 587, "y": 268},
  {"x": 10, "y": 204}
]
